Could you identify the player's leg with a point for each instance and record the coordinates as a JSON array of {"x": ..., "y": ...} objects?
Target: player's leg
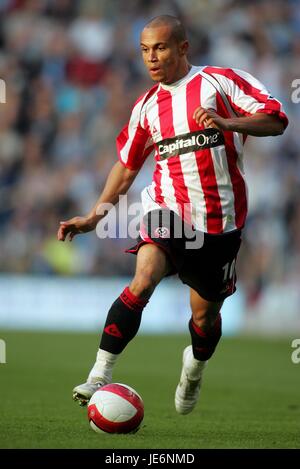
[
  {"x": 204, "y": 325},
  {"x": 205, "y": 330},
  {"x": 124, "y": 318},
  {"x": 210, "y": 272}
]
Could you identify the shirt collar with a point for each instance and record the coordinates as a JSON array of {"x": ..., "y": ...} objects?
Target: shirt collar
[{"x": 179, "y": 82}]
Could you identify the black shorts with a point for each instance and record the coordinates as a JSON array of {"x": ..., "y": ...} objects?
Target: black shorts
[{"x": 203, "y": 261}]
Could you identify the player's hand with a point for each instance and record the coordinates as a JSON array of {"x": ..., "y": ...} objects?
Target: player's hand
[
  {"x": 75, "y": 226},
  {"x": 209, "y": 118}
]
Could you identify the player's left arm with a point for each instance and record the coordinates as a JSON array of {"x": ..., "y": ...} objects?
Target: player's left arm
[
  {"x": 258, "y": 124},
  {"x": 256, "y": 111}
]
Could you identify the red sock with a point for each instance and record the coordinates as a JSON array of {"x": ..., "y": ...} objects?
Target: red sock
[
  {"x": 122, "y": 322},
  {"x": 204, "y": 343}
]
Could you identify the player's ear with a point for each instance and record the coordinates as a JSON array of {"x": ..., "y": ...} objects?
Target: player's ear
[{"x": 183, "y": 47}]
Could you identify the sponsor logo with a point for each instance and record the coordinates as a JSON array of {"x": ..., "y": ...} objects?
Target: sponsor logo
[
  {"x": 186, "y": 143},
  {"x": 112, "y": 329}
]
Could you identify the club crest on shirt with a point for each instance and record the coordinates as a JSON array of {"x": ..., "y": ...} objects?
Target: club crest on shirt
[{"x": 162, "y": 232}]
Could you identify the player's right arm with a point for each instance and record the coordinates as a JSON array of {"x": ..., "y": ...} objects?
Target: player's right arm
[
  {"x": 133, "y": 146},
  {"x": 118, "y": 182}
]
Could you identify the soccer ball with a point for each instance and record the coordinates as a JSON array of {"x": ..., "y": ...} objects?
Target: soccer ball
[{"x": 115, "y": 408}]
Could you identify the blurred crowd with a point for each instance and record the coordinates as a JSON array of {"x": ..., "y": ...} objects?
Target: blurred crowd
[{"x": 73, "y": 70}]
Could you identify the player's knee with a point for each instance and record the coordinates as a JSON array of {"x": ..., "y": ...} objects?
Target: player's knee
[
  {"x": 205, "y": 317},
  {"x": 143, "y": 284}
]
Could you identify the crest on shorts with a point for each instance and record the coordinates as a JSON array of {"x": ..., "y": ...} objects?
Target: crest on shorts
[{"x": 162, "y": 232}]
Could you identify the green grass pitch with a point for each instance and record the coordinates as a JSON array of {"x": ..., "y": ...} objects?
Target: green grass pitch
[{"x": 249, "y": 398}]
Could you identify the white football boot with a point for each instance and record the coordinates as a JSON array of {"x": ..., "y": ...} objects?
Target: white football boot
[
  {"x": 83, "y": 392},
  {"x": 100, "y": 374},
  {"x": 188, "y": 388}
]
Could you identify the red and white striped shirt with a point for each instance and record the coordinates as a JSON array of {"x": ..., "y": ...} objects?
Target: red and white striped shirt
[{"x": 199, "y": 172}]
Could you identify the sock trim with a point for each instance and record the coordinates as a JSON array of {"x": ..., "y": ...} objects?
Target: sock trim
[
  {"x": 215, "y": 328},
  {"x": 132, "y": 301},
  {"x": 198, "y": 329}
]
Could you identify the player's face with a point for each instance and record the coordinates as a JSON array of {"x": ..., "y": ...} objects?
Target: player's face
[{"x": 162, "y": 54}]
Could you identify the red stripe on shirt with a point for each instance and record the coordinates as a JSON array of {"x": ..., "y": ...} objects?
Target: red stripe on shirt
[
  {"x": 151, "y": 145},
  {"x": 205, "y": 163},
  {"x": 237, "y": 180},
  {"x": 137, "y": 152},
  {"x": 165, "y": 112},
  {"x": 157, "y": 173},
  {"x": 157, "y": 189}
]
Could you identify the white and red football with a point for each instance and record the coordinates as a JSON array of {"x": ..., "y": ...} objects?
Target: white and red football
[{"x": 115, "y": 408}]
